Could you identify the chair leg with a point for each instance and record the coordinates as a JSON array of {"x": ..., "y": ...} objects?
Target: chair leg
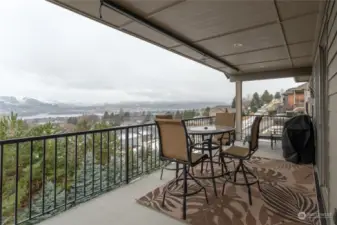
[
  {"x": 161, "y": 174},
  {"x": 223, "y": 188},
  {"x": 248, "y": 186},
  {"x": 162, "y": 169},
  {"x": 198, "y": 183},
  {"x": 222, "y": 165},
  {"x": 237, "y": 169},
  {"x": 251, "y": 173},
  {"x": 202, "y": 163},
  {"x": 185, "y": 192},
  {"x": 212, "y": 171},
  {"x": 190, "y": 167}
]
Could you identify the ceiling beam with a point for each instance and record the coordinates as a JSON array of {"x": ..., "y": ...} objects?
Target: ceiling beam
[
  {"x": 284, "y": 73},
  {"x": 301, "y": 79},
  {"x": 283, "y": 33},
  {"x": 154, "y": 13},
  {"x": 114, "y": 6}
]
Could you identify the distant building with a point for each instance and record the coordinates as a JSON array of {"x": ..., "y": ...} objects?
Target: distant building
[
  {"x": 295, "y": 97},
  {"x": 221, "y": 109}
]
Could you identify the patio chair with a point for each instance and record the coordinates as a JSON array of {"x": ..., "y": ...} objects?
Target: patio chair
[
  {"x": 243, "y": 154},
  {"x": 176, "y": 146},
  {"x": 224, "y": 119},
  {"x": 167, "y": 163}
]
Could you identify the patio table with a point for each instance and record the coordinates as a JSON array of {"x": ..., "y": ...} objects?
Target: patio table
[{"x": 210, "y": 131}]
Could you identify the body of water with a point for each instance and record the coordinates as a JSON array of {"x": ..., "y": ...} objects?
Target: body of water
[{"x": 47, "y": 115}]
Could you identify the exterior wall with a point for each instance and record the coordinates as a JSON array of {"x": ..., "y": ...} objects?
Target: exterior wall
[
  {"x": 292, "y": 101},
  {"x": 325, "y": 106},
  {"x": 332, "y": 105},
  {"x": 289, "y": 102},
  {"x": 298, "y": 101}
]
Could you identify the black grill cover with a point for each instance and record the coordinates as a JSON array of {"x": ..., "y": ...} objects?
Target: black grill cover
[{"x": 298, "y": 140}]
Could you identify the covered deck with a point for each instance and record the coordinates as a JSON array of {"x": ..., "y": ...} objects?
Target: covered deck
[
  {"x": 120, "y": 206},
  {"x": 245, "y": 40}
]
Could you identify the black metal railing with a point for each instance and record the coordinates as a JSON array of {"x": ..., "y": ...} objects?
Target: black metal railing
[
  {"x": 203, "y": 121},
  {"x": 268, "y": 125},
  {"x": 41, "y": 176}
]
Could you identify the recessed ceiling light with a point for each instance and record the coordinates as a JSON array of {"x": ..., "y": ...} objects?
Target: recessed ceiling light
[{"x": 237, "y": 45}]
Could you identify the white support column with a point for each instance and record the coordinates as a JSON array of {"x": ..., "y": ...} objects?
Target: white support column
[{"x": 238, "y": 106}]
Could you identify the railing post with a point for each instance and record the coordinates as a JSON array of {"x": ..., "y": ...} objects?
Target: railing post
[
  {"x": 127, "y": 155},
  {"x": 238, "y": 107}
]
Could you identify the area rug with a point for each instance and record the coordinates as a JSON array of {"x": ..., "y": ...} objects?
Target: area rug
[{"x": 288, "y": 197}]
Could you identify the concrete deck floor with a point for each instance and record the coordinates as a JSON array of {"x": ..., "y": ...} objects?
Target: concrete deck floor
[{"x": 119, "y": 206}]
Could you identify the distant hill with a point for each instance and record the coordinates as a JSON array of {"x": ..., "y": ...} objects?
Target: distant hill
[{"x": 30, "y": 106}]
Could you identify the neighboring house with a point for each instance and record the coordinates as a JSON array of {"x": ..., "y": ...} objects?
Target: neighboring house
[
  {"x": 221, "y": 109},
  {"x": 295, "y": 97}
]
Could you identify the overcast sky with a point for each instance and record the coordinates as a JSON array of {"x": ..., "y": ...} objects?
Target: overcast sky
[{"x": 49, "y": 53}]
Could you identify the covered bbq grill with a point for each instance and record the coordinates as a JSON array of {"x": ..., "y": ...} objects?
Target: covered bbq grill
[{"x": 298, "y": 140}]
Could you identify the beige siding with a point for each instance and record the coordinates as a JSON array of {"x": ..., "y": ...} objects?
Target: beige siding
[
  {"x": 333, "y": 64},
  {"x": 332, "y": 108},
  {"x": 331, "y": 28},
  {"x": 325, "y": 112}
]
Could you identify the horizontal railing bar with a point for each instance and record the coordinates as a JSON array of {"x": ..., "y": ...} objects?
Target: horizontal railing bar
[{"x": 38, "y": 138}]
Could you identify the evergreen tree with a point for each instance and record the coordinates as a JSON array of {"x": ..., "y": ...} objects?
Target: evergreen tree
[
  {"x": 106, "y": 116},
  {"x": 277, "y": 95},
  {"x": 178, "y": 115},
  {"x": 188, "y": 114},
  {"x": 266, "y": 97},
  {"x": 206, "y": 111},
  {"x": 256, "y": 103}
]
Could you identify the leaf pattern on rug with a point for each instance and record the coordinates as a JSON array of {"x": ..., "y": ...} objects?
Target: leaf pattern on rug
[
  {"x": 284, "y": 201},
  {"x": 303, "y": 176},
  {"x": 270, "y": 176},
  {"x": 285, "y": 193},
  {"x": 230, "y": 206}
]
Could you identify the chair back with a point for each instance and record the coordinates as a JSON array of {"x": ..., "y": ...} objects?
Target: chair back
[
  {"x": 164, "y": 116},
  {"x": 225, "y": 119},
  {"x": 255, "y": 131},
  {"x": 173, "y": 139}
]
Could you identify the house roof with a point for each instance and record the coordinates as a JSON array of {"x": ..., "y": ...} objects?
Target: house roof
[
  {"x": 238, "y": 38},
  {"x": 301, "y": 87}
]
